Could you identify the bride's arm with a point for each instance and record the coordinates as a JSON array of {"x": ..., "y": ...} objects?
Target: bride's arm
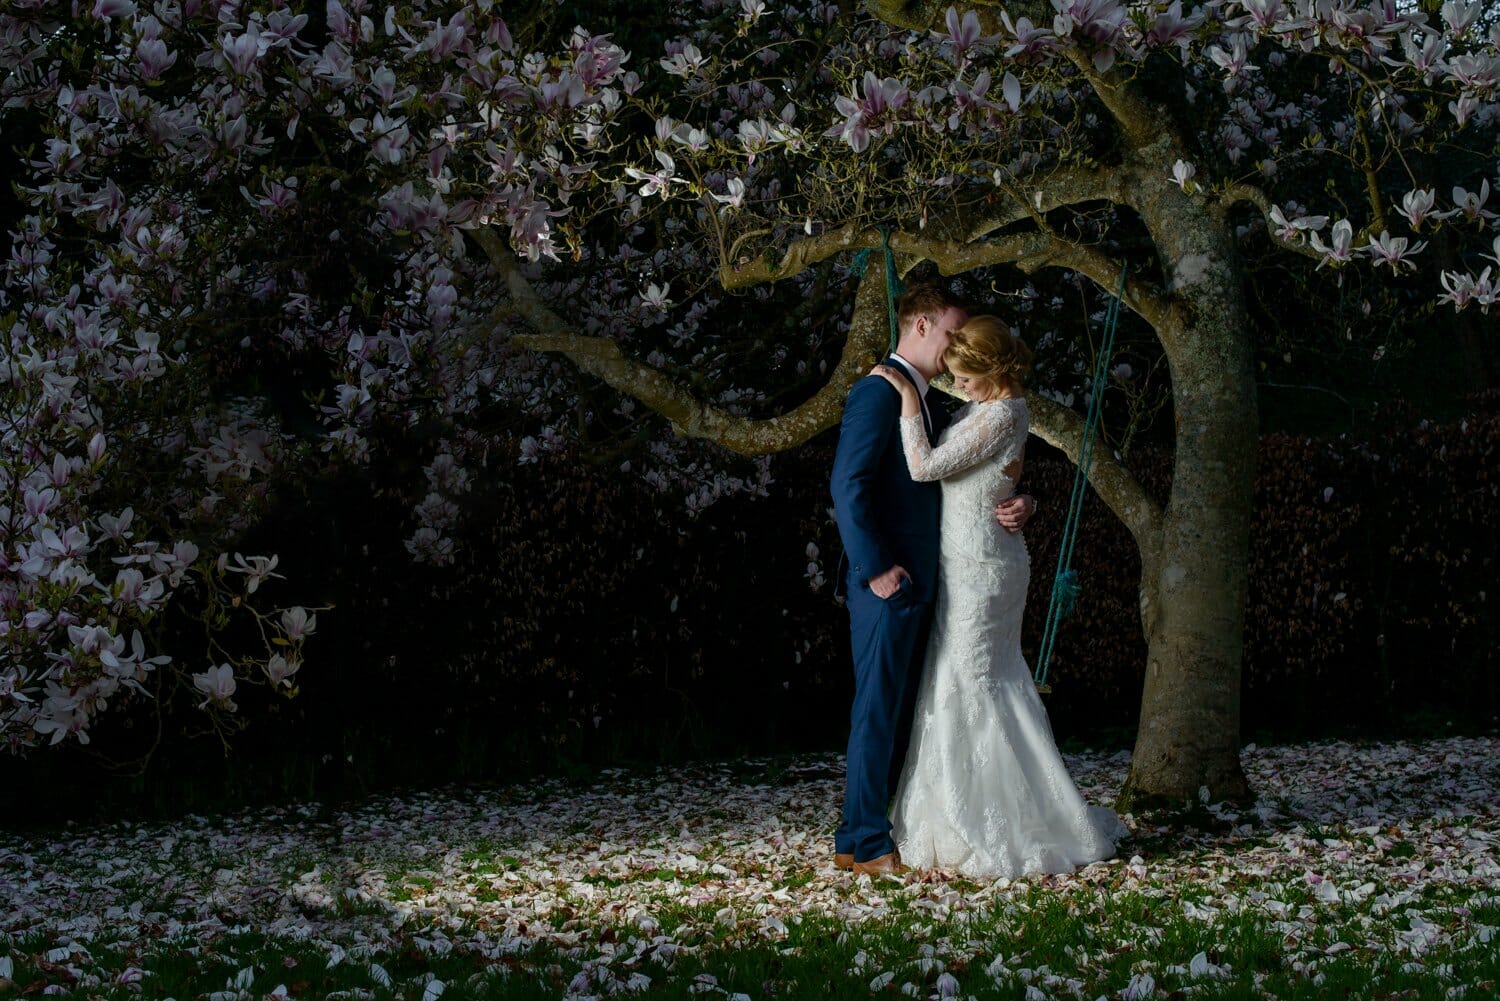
[{"x": 974, "y": 439}]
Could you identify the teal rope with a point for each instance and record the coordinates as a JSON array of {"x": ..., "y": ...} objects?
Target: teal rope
[
  {"x": 1066, "y": 588},
  {"x": 892, "y": 282}
]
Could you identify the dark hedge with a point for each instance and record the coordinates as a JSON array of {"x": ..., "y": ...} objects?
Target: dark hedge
[{"x": 589, "y": 622}]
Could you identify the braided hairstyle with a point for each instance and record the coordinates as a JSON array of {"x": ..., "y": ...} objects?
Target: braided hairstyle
[{"x": 985, "y": 348}]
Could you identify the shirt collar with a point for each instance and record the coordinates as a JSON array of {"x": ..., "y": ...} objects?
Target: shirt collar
[{"x": 918, "y": 377}]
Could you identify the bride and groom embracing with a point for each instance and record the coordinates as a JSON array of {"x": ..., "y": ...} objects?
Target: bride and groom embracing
[{"x": 936, "y": 585}]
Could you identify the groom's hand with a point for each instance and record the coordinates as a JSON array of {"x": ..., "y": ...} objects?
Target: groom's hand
[
  {"x": 1014, "y": 512},
  {"x": 889, "y": 582}
]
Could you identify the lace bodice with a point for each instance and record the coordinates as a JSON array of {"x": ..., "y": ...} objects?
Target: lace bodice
[{"x": 971, "y": 459}]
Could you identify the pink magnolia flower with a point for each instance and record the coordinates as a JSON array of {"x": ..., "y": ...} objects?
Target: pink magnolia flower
[
  {"x": 1030, "y": 40},
  {"x": 1171, "y": 28},
  {"x": 1424, "y": 51},
  {"x": 114, "y": 8},
  {"x": 1460, "y": 16},
  {"x": 657, "y": 182},
  {"x": 153, "y": 58},
  {"x": 242, "y": 51},
  {"x": 872, "y": 112},
  {"x": 1476, "y": 71},
  {"x": 962, "y": 33},
  {"x": 1263, "y": 13}
]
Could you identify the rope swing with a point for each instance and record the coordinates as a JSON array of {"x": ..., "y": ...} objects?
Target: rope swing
[
  {"x": 892, "y": 282},
  {"x": 1065, "y": 586}
]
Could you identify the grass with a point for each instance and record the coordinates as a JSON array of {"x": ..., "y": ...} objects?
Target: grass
[{"x": 1364, "y": 871}]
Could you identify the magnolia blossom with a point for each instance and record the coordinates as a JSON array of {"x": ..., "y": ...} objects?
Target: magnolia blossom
[
  {"x": 1171, "y": 28},
  {"x": 1471, "y": 203},
  {"x": 257, "y": 569},
  {"x": 297, "y": 624},
  {"x": 1297, "y": 227},
  {"x": 655, "y": 295},
  {"x": 734, "y": 193},
  {"x": 685, "y": 62},
  {"x": 280, "y": 670},
  {"x": 874, "y": 111},
  {"x": 1341, "y": 251},
  {"x": 138, "y": 297},
  {"x": 658, "y": 182},
  {"x": 962, "y": 33},
  {"x": 217, "y": 685},
  {"x": 1462, "y": 289},
  {"x": 1416, "y": 207},
  {"x": 1183, "y": 173},
  {"x": 1393, "y": 251}
]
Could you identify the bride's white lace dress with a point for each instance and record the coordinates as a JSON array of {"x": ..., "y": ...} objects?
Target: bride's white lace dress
[{"x": 984, "y": 790}]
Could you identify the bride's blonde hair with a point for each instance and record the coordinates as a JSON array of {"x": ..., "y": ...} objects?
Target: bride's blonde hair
[{"x": 985, "y": 348}]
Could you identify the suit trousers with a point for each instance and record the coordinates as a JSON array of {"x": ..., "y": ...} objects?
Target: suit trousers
[{"x": 889, "y": 640}]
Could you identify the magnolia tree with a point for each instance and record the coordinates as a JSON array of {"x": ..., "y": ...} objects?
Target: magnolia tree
[
  {"x": 426, "y": 215},
  {"x": 1099, "y": 139}
]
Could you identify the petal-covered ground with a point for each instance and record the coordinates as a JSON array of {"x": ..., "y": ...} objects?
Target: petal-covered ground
[{"x": 1363, "y": 868}]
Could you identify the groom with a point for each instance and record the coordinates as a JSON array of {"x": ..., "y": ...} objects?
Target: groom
[{"x": 889, "y": 526}]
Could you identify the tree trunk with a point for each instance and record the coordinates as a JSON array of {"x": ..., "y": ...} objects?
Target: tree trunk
[{"x": 1194, "y": 584}]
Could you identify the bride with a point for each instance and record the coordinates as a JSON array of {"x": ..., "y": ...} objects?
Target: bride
[{"x": 984, "y": 790}]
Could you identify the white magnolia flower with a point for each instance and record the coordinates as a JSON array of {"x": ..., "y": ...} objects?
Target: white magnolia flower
[
  {"x": 297, "y": 624},
  {"x": 1393, "y": 250},
  {"x": 280, "y": 670},
  {"x": 1183, "y": 173},
  {"x": 1341, "y": 251},
  {"x": 1416, "y": 207},
  {"x": 217, "y": 685},
  {"x": 1296, "y": 227},
  {"x": 658, "y": 182},
  {"x": 1471, "y": 203},
  {"x": 735, "y": 196},
  {"x": 655, "y": 295}
]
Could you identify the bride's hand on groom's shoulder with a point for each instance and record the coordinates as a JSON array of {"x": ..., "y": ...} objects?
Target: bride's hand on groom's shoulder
[{"x": 890, "y": 375}]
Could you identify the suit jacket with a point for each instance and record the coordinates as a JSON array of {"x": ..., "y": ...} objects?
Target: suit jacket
[{"x": 885, "y": 518}]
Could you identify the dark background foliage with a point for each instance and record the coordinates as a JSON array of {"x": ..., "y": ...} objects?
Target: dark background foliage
[{"x": 588, "y": 622}]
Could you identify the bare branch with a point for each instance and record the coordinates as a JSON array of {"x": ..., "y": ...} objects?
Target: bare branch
[
  {"x": 1145, "y": 123},
  {"x": 923, "y": 15},
  {"x": 1241, "y": 192},
  {"x": 945, "y": 236},
  {"x": 1062, "y": 428},
  {"x": 690, "y": 417}
]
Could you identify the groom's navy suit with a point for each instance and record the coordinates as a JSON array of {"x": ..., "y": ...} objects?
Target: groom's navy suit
[{"x": 885, "y": 519}]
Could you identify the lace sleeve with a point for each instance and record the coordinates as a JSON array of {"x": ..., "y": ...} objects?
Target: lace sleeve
[{"x": 976, "y": 437}]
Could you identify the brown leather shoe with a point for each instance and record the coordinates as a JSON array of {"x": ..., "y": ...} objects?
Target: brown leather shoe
[
  {"x": 881, "y": 865},
  {"x": 843, "y": 860}
]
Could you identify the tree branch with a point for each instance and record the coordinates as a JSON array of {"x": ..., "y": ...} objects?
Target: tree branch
[
  {"x": 1241, "y": 192},
  {"x": 1062, "y": 428},
  {"x": 1050, "y": 190},
  {"x": 690, "y": 417},
  {"x": 924, "y": 15},
  {"x": 1145, "y": 123}
]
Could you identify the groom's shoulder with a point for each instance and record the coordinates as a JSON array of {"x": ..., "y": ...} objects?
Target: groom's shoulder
[{"x": 873, "y": 391}]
